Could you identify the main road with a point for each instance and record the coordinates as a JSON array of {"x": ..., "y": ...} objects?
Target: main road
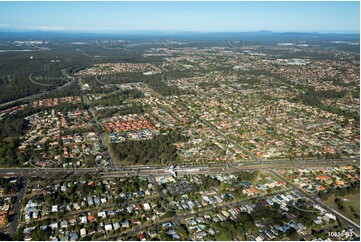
[
  {"x": 15, "y": 220},
  {"x": 142, "y": 170},
  {"x": 100, "y": 133}
]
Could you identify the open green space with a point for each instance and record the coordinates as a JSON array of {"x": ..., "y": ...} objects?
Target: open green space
[{"x": 349, "y": 202}]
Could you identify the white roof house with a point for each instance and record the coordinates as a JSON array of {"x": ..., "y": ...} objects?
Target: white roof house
[
  {"x": 147, "y": 206},
  {"x": 83, "y": 232},
  {"x": 102, "y": 214},
  {"x": 108, "y": 227},
  {"x": 83, "y": 220},
  {"x": 54, "y": 208},
  {"x": 54, "y": 225}
]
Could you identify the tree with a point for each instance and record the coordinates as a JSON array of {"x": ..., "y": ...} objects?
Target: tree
[
  {"x": 182, "y": 231},
  {"x": 19, "y": 235},
  {"x": 4, "y": 237},
  {"x": 292, "y": 234},
  {"x": 40, "y": 235},
  {"x": 168, "y": 214}
]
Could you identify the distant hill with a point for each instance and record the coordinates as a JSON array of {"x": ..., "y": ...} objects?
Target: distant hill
[{"x": 263, "y": 35}]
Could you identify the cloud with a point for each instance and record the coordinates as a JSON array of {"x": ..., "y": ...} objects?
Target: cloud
[
  {"x": 4, "y": 25},
  {"x": 105, "y": 29},
  {"x": 51, "y": 28}
]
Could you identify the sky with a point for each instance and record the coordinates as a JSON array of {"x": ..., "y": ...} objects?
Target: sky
[{"x": 181, "y": 16}]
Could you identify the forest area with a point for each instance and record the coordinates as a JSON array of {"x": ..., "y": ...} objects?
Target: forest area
[{"x": 160, "y": 148}]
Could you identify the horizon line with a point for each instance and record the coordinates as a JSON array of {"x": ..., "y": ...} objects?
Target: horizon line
[{"x": 79, "y": 31}]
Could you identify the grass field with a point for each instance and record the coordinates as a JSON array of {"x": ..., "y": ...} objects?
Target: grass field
[{"x": 348, "y": 200}]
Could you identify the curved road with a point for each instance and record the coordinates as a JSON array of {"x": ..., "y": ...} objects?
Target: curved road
[{"x": 38, "y": 95}]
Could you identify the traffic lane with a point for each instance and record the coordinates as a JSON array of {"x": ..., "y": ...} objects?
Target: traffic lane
[{"x": 13, "y": 225}]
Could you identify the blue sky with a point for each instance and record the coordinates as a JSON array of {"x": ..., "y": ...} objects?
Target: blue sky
[{"x": 181, "y": 16}]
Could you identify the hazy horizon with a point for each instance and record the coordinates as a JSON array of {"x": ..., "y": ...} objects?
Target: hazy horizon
[
  {"x": 171, "y": 32},
  {"x": 199, "y": 17}
]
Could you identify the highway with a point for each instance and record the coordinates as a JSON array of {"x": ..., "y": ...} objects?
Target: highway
[{"x": 142, "y": 170}]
